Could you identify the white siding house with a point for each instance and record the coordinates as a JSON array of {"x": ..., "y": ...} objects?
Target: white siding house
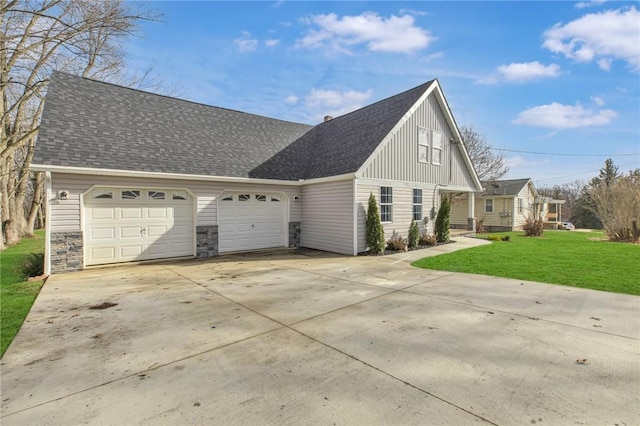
[{"x": 127, "y": 187}]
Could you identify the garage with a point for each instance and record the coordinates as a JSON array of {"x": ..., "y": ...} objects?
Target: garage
[
  {"x": 131, "y": 224},
  {"x": 251, "y": 220}
]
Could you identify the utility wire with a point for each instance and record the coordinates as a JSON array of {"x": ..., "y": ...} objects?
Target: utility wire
[
  {"x": 566, "y": 155},
  {"x": 582, "y": 173}
]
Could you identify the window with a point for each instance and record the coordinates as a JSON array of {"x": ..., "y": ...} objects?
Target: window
[
  {"x": 436, "y": 156},
  {"x": 129, "y": 194},
  {"x": 228, "y": 198},
  {"x": 156, "y": 195},
  {"x": 260, "y": 197},
  {"x": 275, "y": 199},
  {"x": 423, "y": 145},
  {"x": 179, "y": 195},
  {"x": 417, "y": 204},
  {"x": 520, "y": 205},
  {"x": 102, "y": 194},
  {"x": 488, "y": 205},
  {"x": 386, "y": 203},
  {"x": 244, "y": 197}
]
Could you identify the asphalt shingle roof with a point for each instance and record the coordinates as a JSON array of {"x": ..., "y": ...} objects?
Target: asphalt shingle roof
[
  {"x": 503, "y": 187},
  {"x": 92, "y": 124}
]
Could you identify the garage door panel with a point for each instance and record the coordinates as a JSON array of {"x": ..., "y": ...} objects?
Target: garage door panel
[
  {"x": 140, "y": 229},
  {"x": 245, "y": 225}
]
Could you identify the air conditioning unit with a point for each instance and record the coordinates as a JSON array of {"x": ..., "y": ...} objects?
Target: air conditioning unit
[{"x": 505, "y": 214}]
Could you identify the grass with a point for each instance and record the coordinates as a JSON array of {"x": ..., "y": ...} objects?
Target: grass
[
  {"x": 576, "y": 259},
  {"x": 16, "y": 293}
]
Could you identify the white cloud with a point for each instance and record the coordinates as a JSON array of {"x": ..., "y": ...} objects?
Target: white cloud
[
  {"x": 335, "y": 103},
  {"x": 394, "y": 34},
  {"x": 597, "y": 100},
  {"x": 292, "y": 99},
  {"x": 412, "y": 12},
  {"x": 277, "y": 4},
  {"x": 246, "y": 43},
  {"x": 604, "y": 37},
  {"x": 583, "y": 4},
  {"x": 271, "y": 42},
  {"x": 558, "y": 116},
  {"x": 519, "y": 162},
  {"x": 520, "y": 72}
]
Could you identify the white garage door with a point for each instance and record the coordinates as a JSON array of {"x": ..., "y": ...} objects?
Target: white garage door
[
  {"x": 123, "y": 225},
  {"x": 250, "y": 220}
]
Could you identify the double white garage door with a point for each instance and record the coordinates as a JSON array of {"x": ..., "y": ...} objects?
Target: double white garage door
[{"x": 123, "y": 225}]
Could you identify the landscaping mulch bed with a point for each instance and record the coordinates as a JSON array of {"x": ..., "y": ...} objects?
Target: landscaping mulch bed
[{"x": 388, "y": 252}]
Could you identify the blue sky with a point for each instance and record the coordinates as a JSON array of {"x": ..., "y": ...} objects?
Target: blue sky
[{"x": 551, "y": 77}]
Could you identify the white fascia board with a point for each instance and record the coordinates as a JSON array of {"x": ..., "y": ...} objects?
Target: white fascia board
[
  {"x": 336, "y": 178},
  {"x": 157, "y": 175},
  {"x": 393, "y": 131}
]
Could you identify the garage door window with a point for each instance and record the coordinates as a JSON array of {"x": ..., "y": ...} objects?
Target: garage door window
[
  {"x": 129, "y": 194},
  {"x": 244, "y": 197},
  {"x": 260, "y": 197},
  {"x": 102, "y": 194},
  {"x": 275, "y": 200},
  {"x": 156, "y": 195},
  {"x": 228, "y": 198}
]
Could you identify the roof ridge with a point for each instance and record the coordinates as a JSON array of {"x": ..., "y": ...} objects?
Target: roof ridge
[{"x": 173, "y": 98}]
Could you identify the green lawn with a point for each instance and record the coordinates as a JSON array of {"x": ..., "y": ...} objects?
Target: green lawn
[
  {"x": 577, "y": 259},
  {"x": 16, "y": 294}
]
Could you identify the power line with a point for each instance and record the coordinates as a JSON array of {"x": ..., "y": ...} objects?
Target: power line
[
  {"x": 566, "y": 155},
  {"x": 582, "y": 173}
]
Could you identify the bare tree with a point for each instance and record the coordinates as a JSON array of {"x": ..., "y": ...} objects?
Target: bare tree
[
  {"x": 489, "y": 166},
  {"x": 569, "y": 192},
  {"x": 617, "y": 205},
  {"x": 81, "y": 37}
]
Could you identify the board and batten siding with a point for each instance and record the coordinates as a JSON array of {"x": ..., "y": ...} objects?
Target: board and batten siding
[
  {"x": 327, "y": 211},
  {"x": 402, "y": 210},
  {"x": 66, "y": 215},
  {"x": 398, "y": 160}
]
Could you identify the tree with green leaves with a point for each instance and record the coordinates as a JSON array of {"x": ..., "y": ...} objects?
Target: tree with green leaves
[
  {"x": 442, "y": 221},
  {"x": 375, "y": 231}
]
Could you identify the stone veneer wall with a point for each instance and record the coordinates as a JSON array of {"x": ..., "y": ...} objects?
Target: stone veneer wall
[
  {"x": 295, "y": 234},
  {"x": 66, "y": 251},
  {"x": 206, "y": 241}
]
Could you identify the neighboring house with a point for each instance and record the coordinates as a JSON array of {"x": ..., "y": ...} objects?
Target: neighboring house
[
  {"x": 505, "y": 205},
  {"x": 137, "y": 176}
]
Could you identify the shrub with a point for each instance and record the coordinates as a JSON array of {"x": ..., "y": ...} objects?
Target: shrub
[
  {"x": 505, "y": 238},
  {"x": 442, "y": 221},
  {"x": 427, "y": 240},
  {"x": 375, "y": 231},
  {"x": 33, "y": 266},
  {"x": 396, "y": 243},
  {"x": 533, "y": 227},
  {"x": 414, "y": 235},
  {"x": 494, "y": 238},
  {"x": 480, "y": 226}
]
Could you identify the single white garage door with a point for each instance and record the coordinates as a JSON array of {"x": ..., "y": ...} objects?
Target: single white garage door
[
  {"x": 250, "y": 220},
  {"x": 123, "y": 225}
]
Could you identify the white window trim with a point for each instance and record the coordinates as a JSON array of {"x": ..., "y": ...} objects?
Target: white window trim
[
  {"x": 434, "y": 148},
  {"x": 423, "y": 143},
  {"x": 520, "y": 205},
  {"x": 414, "y": 204},
  {"x": 486, "y": 205},
  {"x": 386, "y": 204}
]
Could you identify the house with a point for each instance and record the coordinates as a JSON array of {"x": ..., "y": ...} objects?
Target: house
[
  {"x": 505, "y": 205},
  {"x": 135, "y": 176}
]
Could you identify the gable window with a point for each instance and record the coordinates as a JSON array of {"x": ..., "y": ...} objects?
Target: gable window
[
  {"x": 417, "y": 204},
  {"x": 436, "y": 143},
  {"x": 488, "y": 205},
  {"x": 423, "y": 145},
  {"x": 386, "y": 203}
]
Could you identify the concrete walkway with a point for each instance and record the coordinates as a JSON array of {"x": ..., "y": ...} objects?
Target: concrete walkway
[{"x": 306, "y": 337}]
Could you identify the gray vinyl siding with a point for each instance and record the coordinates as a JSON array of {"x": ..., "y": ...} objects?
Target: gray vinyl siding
[
  {"x": 327, "y": 212},
  {"x": 402, "y": 214},
  {"x": 460, "y": 211},
  {"x": 398, "y": 160},
  {"x": 65, "y": 214}
]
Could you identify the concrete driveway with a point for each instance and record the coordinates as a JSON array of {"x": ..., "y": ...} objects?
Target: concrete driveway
[{"x": 305, "y": 337}]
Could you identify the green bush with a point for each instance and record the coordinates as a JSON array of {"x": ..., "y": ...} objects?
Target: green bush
[
  {"x": 375, "y": 231},
  {"x": 494, "y": 238},
  {"x": 414, "y": 235},
  {"x": 442, "y": 221},
  {"x": 33, "y": 266},
  {"x": 505, "y": 238},
  {"x": 396, "y": 243}
]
